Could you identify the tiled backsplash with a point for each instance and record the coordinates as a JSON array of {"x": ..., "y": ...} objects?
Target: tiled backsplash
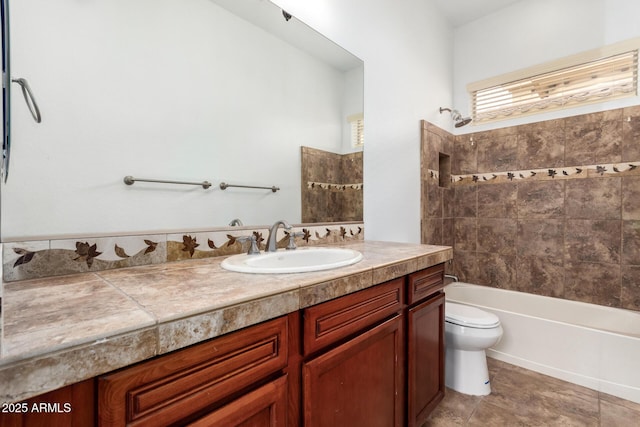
[
  {"x": 550, "y": 208},
  {"x": 33, "y": 259}
]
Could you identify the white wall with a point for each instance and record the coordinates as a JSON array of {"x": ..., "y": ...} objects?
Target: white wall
[
  {"x": 353, "y": 104},
  {"x": 406, "y": 48},
  {"x": 532, "y": 32},
  {"x": 410, "y": 71},
  {"x": 105, "y": 115}
]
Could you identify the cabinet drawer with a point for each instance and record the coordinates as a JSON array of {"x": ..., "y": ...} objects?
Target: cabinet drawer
[
  {"x": 425, "y": 282},
  {"x": 265, "y": 406},
  {"x": 165, "y": 390},
  {"x": 331, "y": 321}
]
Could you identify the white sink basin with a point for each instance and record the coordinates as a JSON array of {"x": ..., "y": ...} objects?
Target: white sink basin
[{"x": 294, "y": 261}]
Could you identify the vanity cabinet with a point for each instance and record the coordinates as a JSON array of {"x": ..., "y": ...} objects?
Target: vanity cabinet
[
  {"x": 425, "y": 343},
  {"x": 237, "y": 377},
  {"x": 354, "y": 375},
  {"x": 370, "y": 358}
]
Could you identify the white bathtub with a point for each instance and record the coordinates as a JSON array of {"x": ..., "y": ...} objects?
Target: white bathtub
[{"x": 586, "y": 344}]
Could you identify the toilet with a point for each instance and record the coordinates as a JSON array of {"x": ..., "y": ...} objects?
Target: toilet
[{"x": 469, "y": 331}]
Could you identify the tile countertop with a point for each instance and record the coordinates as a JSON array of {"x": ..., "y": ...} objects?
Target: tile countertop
[{"x": 62, "y": 330}]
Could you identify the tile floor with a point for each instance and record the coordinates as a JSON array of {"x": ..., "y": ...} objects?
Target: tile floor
[{"x": 521, "y": 397}]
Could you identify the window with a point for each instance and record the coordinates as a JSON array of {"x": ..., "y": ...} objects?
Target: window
[
  {"x": 590, "y": 77},
  {"x": 357, "y": 129}
]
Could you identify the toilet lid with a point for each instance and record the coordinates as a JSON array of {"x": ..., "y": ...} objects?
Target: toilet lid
[{"x": 465, "y": 315}]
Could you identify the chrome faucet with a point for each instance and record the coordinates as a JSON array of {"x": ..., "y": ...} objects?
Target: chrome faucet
[
  {"x": 273, "y": 232},
  {"x": 235, "y": 222},
  {"x": 253, "y": 244}
]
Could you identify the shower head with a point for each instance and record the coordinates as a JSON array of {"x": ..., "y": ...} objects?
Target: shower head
[
  {"x": 462, "y": 121},
  {"x": 459, "y": 121}
]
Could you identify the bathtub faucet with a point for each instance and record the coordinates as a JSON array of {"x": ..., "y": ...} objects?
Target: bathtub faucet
[{"x": 451, "y": 276}]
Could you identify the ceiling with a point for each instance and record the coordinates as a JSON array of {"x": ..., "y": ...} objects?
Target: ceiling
[{"x": 460, "y": 12}]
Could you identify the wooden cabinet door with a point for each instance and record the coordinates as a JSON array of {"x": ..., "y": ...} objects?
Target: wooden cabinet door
[
  {"x": 172, "y": 388},
  {"x": 73, "y": 405},
  {"x": 359, "y": 383},
  {"x": 263, "y": 407},
  {"x": 425, "y": 354}
]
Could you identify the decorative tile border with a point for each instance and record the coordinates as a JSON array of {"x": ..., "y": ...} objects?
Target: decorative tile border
[
  {"x": 30, "y": 260},
  {"x": 220, "y": 243},
  {"x": 329, "y": 186},
  {"x": 434, "y": 174},
  {"x": 573, "y": 172},
  {"x": 35, "y": 259}
]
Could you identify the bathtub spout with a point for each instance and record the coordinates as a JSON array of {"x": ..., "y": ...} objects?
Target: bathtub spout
[{"x": 451, "y": 276}]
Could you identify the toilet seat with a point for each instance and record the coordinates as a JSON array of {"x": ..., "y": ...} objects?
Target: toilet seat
[{"x": 472, "y": 317}]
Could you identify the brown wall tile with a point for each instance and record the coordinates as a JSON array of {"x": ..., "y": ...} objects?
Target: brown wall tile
[
  {"x": 593, "y": 283},
  {"x": 593, "y": 198},
  {"x": 448, "y": 232},
  {"x": 630, "y": 294},
  {"x": 631, "y": 197},
  {"x": 541, "y": 199},
  {"x": 497, "y": 235},
  {"x": 579, "y": 143},
  {"x": 448, "y": 202},
  {"x": 465, "y": 230},
  {"x": 352, "y": 167},
  {"x": 498, "y": 154},
  {"x": 465, "y": 266},
  {"x": 498, "y": 201},
  {"x": 498, "y": 271},
  {"x": 631, "y": 242},
  {"x": 432, "y": 231},
  {"x": 541, "y": 145},
  {"x": 631, "y": 134},
  {"x": 540, "y": 275},
  {"x": 465, "y": 156},
  {"x": 594, "y": 138},
  {"x": 434, "y": 199},
  {"x": 465, "y": 201},
  {"x": 609, "y": 147},
  {"x": 594, "y": 241},
  {"x": 540, "y": 238},
  {"x": 434, "y": 146}
]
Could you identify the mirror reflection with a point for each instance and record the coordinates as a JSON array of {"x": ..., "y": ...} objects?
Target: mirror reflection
[{"x": 197, "y": 90}]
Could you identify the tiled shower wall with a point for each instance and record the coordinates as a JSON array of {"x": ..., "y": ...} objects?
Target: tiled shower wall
[
  {"x": 331, "y": 186},
  {"x": 550, "y": 208}
]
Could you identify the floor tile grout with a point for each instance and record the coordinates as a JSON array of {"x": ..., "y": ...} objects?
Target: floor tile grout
[{"x": 523, "y": 397}]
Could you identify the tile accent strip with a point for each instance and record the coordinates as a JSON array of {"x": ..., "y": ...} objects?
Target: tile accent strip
[
  {"x": 547, "y": 174},
  {"x": 45, "y": 258},
  {"x": 330, "y": 186}
]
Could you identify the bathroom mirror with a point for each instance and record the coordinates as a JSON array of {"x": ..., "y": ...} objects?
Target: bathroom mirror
[{"x": 180, "y": 90}]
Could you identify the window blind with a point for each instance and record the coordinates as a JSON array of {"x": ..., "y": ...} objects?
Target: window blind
[
  {"x": 610, "y": 77},
  {"x": 357, "y": 129}
]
